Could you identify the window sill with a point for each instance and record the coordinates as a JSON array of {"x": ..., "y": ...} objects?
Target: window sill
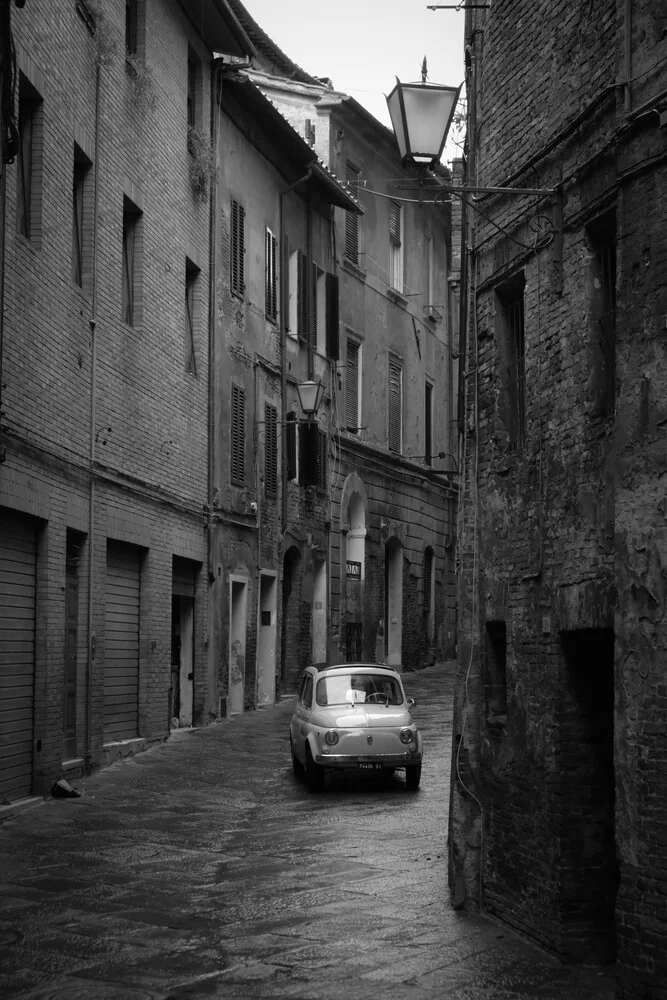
[
  {"x": 397, "y": 297},
  {"x": 432, "y": 314},
  {"x": 354, "y": 269}
]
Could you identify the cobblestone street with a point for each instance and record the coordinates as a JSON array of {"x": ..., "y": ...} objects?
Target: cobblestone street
[{"x": 203, "y": 868}]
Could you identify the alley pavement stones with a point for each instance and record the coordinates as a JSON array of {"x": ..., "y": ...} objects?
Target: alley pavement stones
[{"x": 203, "y": 868}]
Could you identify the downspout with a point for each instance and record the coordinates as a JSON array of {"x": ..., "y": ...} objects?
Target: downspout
[
  {"x": 93, "y": 412},
  {"x": 284, "y": 301}
]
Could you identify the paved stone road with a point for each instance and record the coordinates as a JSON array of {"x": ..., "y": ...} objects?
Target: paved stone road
[{"x": 202, "y": 868}]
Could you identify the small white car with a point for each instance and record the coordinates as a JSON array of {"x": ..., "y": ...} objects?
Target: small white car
[{"x": 354, "y": 716}]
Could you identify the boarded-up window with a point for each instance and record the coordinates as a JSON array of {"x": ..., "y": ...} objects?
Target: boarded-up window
[
  {"x": 237, "y": 433},
  {"x": 352, "y": 386},
  {"x": 395, "y": 407},
  {"x": 271, "y": 450},
  {"x": 352, "y": 219},
  {"x": 271, "y": 277},
  {"x": 237, "y": 254}
]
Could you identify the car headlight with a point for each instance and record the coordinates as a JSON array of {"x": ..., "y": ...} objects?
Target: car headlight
[
  {"x": 331, "y": 738},
  {"x": 407, "y": 736}
]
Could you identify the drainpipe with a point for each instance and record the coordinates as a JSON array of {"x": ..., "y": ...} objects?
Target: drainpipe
[
  {"x": 93, "y": 411},
  {"x": 284, "y": 300}
]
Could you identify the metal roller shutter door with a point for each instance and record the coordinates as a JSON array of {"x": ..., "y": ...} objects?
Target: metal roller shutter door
[
  {"x": 18, "y": 553},
  {"x": 121, "y": 643}
]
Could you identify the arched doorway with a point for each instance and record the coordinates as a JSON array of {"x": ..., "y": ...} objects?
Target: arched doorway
[
  {"x": 355, "y": 572},
  {"x": 393, "y": 601}
]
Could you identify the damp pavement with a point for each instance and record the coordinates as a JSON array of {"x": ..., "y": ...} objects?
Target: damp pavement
[{"x": 204, "y": 868}]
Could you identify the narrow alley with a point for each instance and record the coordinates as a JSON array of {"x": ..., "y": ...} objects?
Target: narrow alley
[{"x": 203, "y": 868}]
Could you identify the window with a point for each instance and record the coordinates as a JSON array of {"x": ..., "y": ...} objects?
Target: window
[
  {"x": 192, "y": 91},
  {"x": 271, "y": 450},
  {"x": 131, "y": 256},
  {"x": 427, "y": 607},
  {"x": 395, "y": 407},
  {"x": 496, "y": 673},
  {"x": 271, "y": 277},
  {"x": 299, "y": 295},
  {"x": 332, "y": 316},
  {"x": 309, "y": 132},
  {"x": 237, "y": 431},
  {"x": 237, "y": 257},
  {"x": 512, "y": 358},
  {"x": 191, "y": 276},
  {"x": 352, "y": 386},
  {"x": 80, "y": 234},
  {"x": 317, "y": 307},
  {"x": 601, "y": 237},
  {"x": 131, "y": 26},
  {"x": 396, "y": 246},
  {"x": 291, "y": 451},
  {"x": 428, "y": 423},
  {"x": 352, "y": 219},
  {"x": 29, "y": 166}
]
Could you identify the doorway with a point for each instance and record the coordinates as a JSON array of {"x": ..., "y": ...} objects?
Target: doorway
[
  {"x": 238, "y": 617},
  {"x": 266, "y": 639},
  {"x": 393, "y": 601}
]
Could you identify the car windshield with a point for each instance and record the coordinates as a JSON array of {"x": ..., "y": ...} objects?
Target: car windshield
[{"x": 371, "y": 689}]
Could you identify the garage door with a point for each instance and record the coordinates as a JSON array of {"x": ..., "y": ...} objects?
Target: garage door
[
  {"x": 17, "y": 653},
  {"x": 121, "y": 643}
]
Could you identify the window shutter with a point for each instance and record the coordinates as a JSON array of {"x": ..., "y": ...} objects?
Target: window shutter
[
  {"x": 302, "y": 295},
  {"x": 352, "y": 387},
  {"x": 395, "y": 405},
  {"x": 271, "y": 450},
  {"x": 290, "y": 445},
  {"x": 313, "y": 304},
  {"x": 238, "y": 248},
  {"x": 321, "y": 460},
  {"x": 332, "y": 320},
  {"x": 271, "y": 278},
  {"x": 237, "y": 429},
  {"x": 395, "y": 222},
  {"x": 308, "y": 453},
  {"x": 352, "y": 220}
]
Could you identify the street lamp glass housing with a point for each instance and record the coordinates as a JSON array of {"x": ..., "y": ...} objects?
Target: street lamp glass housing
[
  {"x": 421, "y": 114},
  {"x": 310, "y": 397}
]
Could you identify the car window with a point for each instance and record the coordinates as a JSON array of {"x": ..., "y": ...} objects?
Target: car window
[
  {"x": 307, "y": 691},
  {"x": 355, "y": 688}
]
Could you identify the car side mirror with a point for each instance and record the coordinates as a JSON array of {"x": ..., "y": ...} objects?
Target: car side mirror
[{"x": 412, "y": 703}]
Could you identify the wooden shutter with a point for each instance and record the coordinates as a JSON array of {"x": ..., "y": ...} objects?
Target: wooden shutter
[
  {"x": 395, "y": 222},
  {"x": 395, "y": 405},
  {"x": 271, "y": 450},
  {"x": 315, "y": 271},
  {"x": 308, "y": 452},
  {"x": 302, "y": 295},
  {"x": 237, "y": 261},
  {"x": 18, "y": 550},
  {"x": 321, "y": 460},
  {"x": 290, "y": 445},
  {"x": 271, "y": 278},
  {"x": 237, "y": 432},
  {"x": 352, "y": 387},
  {"x": 121, "y": 643},
  {"x": 332, "y": 320},
  {"x": 352, "y": 219}
]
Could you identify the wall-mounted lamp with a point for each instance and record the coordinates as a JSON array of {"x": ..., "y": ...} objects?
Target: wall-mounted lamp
[
  {"x": 310, "y": 397},
  {"x": 421, "y": 114}
]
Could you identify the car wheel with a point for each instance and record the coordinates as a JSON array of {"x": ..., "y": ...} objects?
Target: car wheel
[
  {"x": 413, "y": 775},
  {"x": 314, "y": 772},
  {"x": 297, "y": 766}
]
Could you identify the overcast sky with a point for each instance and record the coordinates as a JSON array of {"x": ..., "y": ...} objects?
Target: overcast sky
[{"x": 363, "y": 45}]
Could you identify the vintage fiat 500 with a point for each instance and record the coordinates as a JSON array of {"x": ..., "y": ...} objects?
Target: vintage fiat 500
[{"x": 354, "y": 716}]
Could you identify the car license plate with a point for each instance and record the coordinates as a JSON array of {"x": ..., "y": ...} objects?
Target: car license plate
[{"x": 371, "y": 767}]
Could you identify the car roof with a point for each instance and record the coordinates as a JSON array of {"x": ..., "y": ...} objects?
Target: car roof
[{"x": 379, "y": 667}]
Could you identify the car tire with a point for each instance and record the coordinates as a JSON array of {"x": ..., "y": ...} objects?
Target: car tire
[
  {"x": 413, "y": 775},
  {"x": 297, "y": 766},
  {"x": 314, "y": 773}
]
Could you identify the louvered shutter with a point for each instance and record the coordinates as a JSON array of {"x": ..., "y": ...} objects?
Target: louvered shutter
[
  {"x": 321, "y": 460},
  {"x": 237, "y": 444},
  {"x": 352, "y": 220},
  {"x": 308, "y": 453},
  {"x": 352, "y": 387},
  {"x": 332, "y": 319},
  {"x": 271, "y": 450},
  {"x": 395, "y": 223},
  {"x": 271, "y": 277},
  {"x": 302, "y": 295},
  {"x": 313, "y": 304},
  {"x": 237, "y": 256},
  {"x": 395, "y": 405}
]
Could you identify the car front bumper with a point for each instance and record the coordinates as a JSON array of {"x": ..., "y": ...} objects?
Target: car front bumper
[{"x": 364, "y": 761}]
